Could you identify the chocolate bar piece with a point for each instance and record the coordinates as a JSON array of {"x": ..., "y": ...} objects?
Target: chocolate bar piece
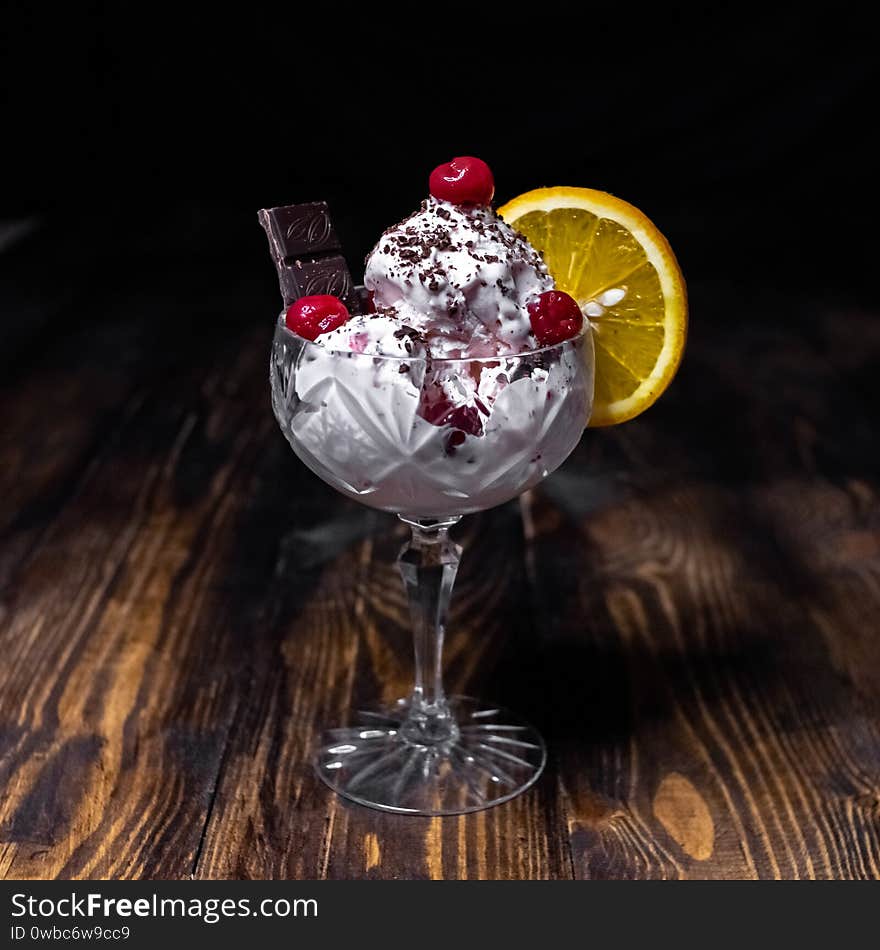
[
  {"x": 322, "y": 275},
  {"x": 305, "y": 249},
  {"x": 295, "y": 231}
]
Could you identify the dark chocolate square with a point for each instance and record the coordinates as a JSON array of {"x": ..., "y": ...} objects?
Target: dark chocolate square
[
  {"x": 326, "y": 275},
  {"x": 299, "y": 231}
]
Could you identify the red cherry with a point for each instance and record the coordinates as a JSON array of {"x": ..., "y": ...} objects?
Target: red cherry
[
  {"x": 555, "y": 316},
  {"x": 309, "y": 317},
  {"x": 463, "y": 181}
]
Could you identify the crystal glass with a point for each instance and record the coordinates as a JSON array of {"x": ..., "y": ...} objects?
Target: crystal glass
[{"x": 431, "y": 440}]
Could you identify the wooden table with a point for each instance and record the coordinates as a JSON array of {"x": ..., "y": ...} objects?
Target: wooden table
[{"x": 688, "y": 609}]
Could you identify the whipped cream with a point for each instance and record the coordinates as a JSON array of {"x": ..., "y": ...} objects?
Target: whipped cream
[{"x": 460, "y": 276}]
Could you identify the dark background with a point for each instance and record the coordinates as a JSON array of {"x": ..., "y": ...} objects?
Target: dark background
[
  {"x": 747, "y": 137},
  {"x": 694, "y": 595}
]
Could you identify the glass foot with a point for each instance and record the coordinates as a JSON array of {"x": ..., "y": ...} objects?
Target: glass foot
[{"x": 491, "y": 757}]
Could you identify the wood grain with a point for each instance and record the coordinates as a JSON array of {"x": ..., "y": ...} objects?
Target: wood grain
[
  {"x": 273, "y": 818},
  {"x": 722, "y": 626},
  {"x": 688, "y": 610}
]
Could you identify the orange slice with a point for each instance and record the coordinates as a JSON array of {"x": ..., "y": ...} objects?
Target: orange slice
[{"x": 622, "y": 272}]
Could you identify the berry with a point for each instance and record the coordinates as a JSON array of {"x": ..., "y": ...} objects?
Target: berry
[
  {"x": 309, "y": 317},
  {"x": 437, "y": 407},
  {"x": 555, "y": 316},
  {"x": 463, "y": 181}
]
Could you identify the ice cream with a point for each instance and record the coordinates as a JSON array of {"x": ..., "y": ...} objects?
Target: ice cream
[
  {"x": 376, "y": 334},
  {"x": 442, "y": 401},
  {"x": 492, "y": 428},
  {"x": 461, "y": 276}
]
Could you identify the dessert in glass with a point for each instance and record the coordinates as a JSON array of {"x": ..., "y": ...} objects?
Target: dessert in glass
[{"x": 465, "y": 380}]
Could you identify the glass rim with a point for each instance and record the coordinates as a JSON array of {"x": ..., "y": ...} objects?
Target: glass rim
[{"x": 446, "y": 360}]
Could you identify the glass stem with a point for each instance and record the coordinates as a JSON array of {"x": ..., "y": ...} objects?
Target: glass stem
[{"x": 428, "y": 564}]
